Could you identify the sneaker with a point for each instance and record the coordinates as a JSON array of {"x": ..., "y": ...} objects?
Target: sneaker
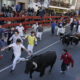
[
  {"x": 68, "y": 68},
  {"x": 11, "y": 71},
  {"x": 62, "y": 72}
]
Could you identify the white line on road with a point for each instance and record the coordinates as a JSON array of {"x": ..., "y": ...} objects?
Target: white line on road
[{"x": 34, "y": 54}]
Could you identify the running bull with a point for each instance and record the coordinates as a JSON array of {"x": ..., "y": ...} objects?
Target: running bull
[{"x": 40, "y": 62}]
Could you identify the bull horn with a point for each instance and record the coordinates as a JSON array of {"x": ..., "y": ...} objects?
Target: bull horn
[
  {"x": 26, "y": 59},
  {"x": 35, "y": 64}
]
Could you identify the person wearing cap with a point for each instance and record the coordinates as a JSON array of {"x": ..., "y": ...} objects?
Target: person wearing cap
[
  {"x": 66, "y": 61},
  {"x": 32, "y": 40},
  {"x": 17, "y": 52}
]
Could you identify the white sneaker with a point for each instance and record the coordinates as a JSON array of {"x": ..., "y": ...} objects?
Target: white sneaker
[
  {"x": 68, "y": 67},
  {"x": 62, "y": 72}
]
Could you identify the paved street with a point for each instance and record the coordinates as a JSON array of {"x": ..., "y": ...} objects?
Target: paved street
[{"x": 48, "y": 43}]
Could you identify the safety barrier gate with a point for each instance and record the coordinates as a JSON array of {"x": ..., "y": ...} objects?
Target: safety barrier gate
[{"x": 27, "y": 21}]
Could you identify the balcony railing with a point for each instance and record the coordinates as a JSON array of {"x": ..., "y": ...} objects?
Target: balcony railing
[{"x": 58, "y": 3}]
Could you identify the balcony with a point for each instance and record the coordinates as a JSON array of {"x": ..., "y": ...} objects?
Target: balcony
[{"x": 60, "y": 4}]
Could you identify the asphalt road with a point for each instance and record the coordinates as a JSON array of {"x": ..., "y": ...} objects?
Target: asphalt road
[{"x": 49, "y": 43}]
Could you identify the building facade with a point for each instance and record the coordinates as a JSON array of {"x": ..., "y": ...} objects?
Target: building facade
[
  {"x": 55, "y": 3},
  {"x": 7, "y": 2},
  {"x": 23, "y": 3},
  {"x": 78, "y": 5}
]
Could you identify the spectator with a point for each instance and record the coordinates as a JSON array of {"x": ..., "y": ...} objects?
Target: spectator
[
  {"x": 42, "y": 13},
  {"x": 13, "y": 8},
  {"x": 4, "y": 10},
  {"x": 18, "y": 8},
  {"x": 9, "y": 11}
]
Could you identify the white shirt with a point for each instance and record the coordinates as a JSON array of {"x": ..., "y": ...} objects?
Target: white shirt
[
  {"x": 79, "y": 29},
  {"x": 20, "y": 30},
  {"x": 14, "y": 38},
  {"x": 13, "y": 8},
  {"x": 71, "y": 20},
  {"x": 62, "y": 30},
  {"x": 16, "y": 49},
  {"x": 34, "y": 26}
]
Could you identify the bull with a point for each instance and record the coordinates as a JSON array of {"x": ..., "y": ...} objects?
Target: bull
[
  {"x": 66, "y": 39},
  {"x": 40, "y": 62}
]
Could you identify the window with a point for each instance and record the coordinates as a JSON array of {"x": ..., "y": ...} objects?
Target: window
[{"x": 8, "y": 2}]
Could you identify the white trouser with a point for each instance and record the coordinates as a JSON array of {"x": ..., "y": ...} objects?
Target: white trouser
[
  {"x": 39, "y": 35},
  {"x": 30, "y": 48},
  {"x": 17, "y": 58},
  {"x": 58, "y": 31}
]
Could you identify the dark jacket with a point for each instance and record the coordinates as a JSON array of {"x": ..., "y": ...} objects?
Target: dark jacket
[{"x": 40, "y": 29}]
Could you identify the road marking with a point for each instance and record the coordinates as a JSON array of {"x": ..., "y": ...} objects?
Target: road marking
[{"x": 34, "y": 54}]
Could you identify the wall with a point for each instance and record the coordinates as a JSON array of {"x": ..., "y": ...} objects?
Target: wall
[{"x": 0, "y": 5}]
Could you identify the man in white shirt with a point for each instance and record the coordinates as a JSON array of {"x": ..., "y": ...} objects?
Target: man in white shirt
[
  {"x": 79, "y": 29},
  {"x": 17, "y": 52},
  {"x": 15, "y": 36},
  {"x": 35, "y": 26},
  {"x": 20, "y": 29},
  {"x": 71, "y": 20}
]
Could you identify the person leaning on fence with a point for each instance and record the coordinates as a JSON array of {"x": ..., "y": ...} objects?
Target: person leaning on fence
[
  {"x": 32, "y": 40},
  {"x": 67, "y": 60}
]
